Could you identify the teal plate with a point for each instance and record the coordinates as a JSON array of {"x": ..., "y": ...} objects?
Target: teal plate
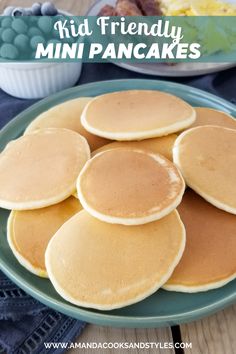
[{"x": 162, "y": 308}]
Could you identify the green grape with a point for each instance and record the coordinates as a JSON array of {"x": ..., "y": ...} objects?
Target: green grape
[
  {"x": 54, "y": 41},
  {"x": 33, "y": 55},
  {"x": 6, "y": 22},
  {"x": 35, "y": 40},
  {"x": 45, "y": 23},
  {"x": 34, "y": 31},
  {"x": 8, "y": 35},
  {"x": 9, "y": 51},
  {"x": 34, "y": 20},
  {"x": 19, "y": 25},
  {"x": 22, "y": 42},
  {"x": 1, "y": 30}
]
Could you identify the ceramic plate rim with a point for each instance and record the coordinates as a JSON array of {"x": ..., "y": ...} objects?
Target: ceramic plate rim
[{"x": 87, "y": 315}]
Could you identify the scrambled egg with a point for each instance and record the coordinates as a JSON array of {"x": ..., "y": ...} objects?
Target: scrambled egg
[
  {"x": 176, "y": 7},
  {"x": 198, "y": 7}
]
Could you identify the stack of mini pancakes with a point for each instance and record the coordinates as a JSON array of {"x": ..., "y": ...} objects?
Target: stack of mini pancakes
[{"x": 105, "y": 229}]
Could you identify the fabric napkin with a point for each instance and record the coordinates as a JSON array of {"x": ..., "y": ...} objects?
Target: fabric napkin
[{"x": 25, "y": 324}]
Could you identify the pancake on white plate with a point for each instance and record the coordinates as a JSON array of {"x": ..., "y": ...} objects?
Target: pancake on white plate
[
  {"x": 136, "y": 115},
  {"x": 129, "y": 187},
  {"x": 106, "y": 266},
  {"x": 41, "y": 168}
]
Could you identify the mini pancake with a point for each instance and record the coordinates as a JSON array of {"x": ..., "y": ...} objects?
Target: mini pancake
[
  {"x": 67, "y": 115},
  {"x": 209, "y": 259},
  {"x": 162, "y": 145},
  {"x": 106, "y": 266},
  {"x": 129, "y": 187},
  {"x": 210, "y": 116},
  {"x": 41, "y": 169},
  {"x": 30, "y": 231},
  {"x": 207, "y": 159},
  {"x": 136, "y": 115}
]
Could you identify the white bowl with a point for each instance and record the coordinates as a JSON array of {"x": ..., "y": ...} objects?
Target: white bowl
[{"x": 38, "y": 80}]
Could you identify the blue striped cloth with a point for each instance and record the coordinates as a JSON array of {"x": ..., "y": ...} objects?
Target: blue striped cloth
[{"x": 26, "y": 324}]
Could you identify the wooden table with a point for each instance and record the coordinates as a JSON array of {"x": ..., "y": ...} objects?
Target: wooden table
[{"x": 213, "y": 335}]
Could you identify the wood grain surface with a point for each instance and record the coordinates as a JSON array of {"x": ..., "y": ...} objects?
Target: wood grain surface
[
  {"x": 213, "y": 335},
  {"x": 100, "y": 334}
]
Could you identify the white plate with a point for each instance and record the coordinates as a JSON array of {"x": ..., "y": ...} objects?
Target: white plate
[{"x": 159, "y": 69}]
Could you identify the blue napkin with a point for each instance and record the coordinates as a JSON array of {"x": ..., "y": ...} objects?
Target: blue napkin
[
  {"x": 24, "y": 322},
  {"x": 222, "y": 84}
]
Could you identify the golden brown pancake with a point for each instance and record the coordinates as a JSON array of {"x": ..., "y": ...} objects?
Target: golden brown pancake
[
  {"x": 67, "y": 115},
  {"x": 41, "y": 169},
  {"x": 136, "y": 115},
  {"x": 209, "y": 259},
  {"x": 30, "y": 231},
  {"x": 206, "y": 157},
  {"x": 163, "y": 145},
  {"x": 107, "y": 266},
  {"x": 129, "y": 187},
  {"x": 210, "y": 116}
]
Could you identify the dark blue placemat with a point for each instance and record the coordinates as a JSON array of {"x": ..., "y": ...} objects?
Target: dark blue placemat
[
  {"x": 25, "y": 324},
  {"x": 222, "y": 84}
]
